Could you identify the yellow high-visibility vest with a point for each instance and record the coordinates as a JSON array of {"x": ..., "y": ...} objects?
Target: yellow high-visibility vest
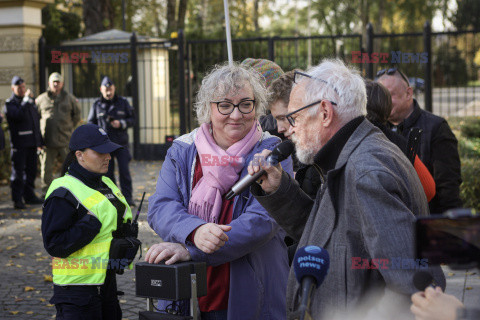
[{"x": 88, "y": 266}]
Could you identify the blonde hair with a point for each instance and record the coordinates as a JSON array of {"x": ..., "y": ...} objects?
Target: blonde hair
[{"x": 224, "y": 79}]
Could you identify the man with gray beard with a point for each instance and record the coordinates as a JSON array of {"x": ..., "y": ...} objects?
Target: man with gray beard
[{"x": 364, "y": 212}]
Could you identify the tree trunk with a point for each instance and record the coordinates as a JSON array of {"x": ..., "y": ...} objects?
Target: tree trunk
[
  {"x": 255, "y": 15},
  {"x": 182, "y": 10},
  {"x": 108, "y": 13},
  {"x": 156, "y": 18},
  {"x": 93, "y": 16},
  {"x": 171, "y": 22}
]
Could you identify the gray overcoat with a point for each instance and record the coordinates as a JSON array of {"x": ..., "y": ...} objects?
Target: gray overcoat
[{"x": 365, "y": 210}]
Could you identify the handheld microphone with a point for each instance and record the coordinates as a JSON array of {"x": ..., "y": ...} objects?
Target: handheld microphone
[
  {"x": 422, "y": 280},
  {"x": 281, "y": 152},
  {"x": 310, "y": 265}
]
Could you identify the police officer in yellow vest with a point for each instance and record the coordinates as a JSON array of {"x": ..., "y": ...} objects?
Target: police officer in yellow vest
[{"x": 83, "y": 212}]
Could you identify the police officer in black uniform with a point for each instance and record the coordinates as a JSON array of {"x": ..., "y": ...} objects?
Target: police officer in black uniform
[
  {"x": 77, "y": 230},
  {"x": 115, "y": 115},
  {"x": 26, "y": 140}
]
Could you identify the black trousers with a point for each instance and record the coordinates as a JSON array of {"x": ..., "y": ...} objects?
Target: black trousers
[
  {"x": 88, "y": 302},
  {"x": 123, "y": 158},
  {"x": 24, "y": 171}
]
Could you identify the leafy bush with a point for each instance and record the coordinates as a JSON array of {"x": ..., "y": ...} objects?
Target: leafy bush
[
  {"x": 468, "y": 148},
  {"x": 467, "y": 131},
  {"x": 471, "y": 129},
  {"x": 470, "y": 188}
]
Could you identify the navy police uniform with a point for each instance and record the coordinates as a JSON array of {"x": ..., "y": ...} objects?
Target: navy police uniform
[
  {"x": 68, "y": 226},
  {"x": 24, "y": 125},
  {"x": 102, "y": 113},
  {"x": 75, "y": 302}
]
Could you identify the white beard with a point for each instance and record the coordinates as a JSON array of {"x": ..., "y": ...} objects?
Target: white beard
[{"x": 306, "y": 154}]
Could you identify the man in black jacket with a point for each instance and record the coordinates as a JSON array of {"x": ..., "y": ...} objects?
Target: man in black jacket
[
  {"x": 115, "y": 115},
  {"x": 26, "y": 139},
  {"x": 438, "y": 146}
]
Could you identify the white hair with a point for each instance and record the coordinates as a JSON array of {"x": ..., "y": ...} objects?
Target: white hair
[
  {"x": 224, "y": 79},
  {"x": 338, "y": 83}
]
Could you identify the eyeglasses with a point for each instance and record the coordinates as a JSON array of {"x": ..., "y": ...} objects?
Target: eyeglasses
[
  {"x": 226, "y": 107},
  {"x": 297, "y": 77},
  {"x": 291, "y": 119},
  {"x": 391, "y": 72}
]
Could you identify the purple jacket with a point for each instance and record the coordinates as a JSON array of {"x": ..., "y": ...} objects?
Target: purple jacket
[{"x": 255, "y": 249}]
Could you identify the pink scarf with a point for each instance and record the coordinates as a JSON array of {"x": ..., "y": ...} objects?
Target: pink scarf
[{"x": 221, "y": 169}]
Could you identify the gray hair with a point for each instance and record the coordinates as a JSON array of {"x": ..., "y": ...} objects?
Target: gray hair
[
  {"x": 340, "y": 84},
  {"x": 224, "y": 79}
]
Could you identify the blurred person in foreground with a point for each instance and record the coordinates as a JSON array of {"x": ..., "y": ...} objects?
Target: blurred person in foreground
[
  {"x": 115, "y": 115},
  {"x": 26, "y": 141},
  {"x": 59, "y": 115},
  {"x": 84, "y": 212},
  {"x": 365, "y": 210},
  {"x": 243, "y": 247},
  {"x": 433, "y": 304},
  {"x": 438, "y": 146}
]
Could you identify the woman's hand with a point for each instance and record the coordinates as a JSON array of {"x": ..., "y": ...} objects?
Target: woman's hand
[
  {"x": 167, "y": 250},
  {"x": 210, "y": 237}
]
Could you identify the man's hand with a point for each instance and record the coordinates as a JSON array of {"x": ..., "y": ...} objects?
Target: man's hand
[
  {"x": 171, "y": 252},
  {"x": 116, "y": 124},
  {"x": 433, "y": 304},
  {"x": 210, "y": 237},
  {"x": 270, "y": 181},
  {"x": 29, "y": 93}
]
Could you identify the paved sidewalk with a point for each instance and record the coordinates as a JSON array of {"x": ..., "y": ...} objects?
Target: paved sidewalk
[
  {"x": 25, "y": 280},
  {"x": 25, "y": 277}
]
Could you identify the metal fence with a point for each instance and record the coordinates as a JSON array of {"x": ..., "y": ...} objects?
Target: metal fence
[
  {"x": 143, "y": 72},
  {"x": 440, "y": 65}
]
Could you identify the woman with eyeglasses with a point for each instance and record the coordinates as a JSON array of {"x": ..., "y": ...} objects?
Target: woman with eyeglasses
[{"x": 243, "y": 246}]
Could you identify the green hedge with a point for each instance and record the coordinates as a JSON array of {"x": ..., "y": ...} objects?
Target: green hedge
[
  {"x": 471, "y": 128},
  {"x": 470, "y": 189},
  {"x": 467, "y": 131}
]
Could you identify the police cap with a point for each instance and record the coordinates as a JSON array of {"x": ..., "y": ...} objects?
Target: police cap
[
  {"x": 16, "y": 80},
  {"x": 93, "y": 137},
  {"x": 107, "y": 82}
]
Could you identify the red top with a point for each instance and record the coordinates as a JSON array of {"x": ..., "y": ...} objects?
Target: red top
[
  {"x": 218, "y": 278},
  {"x": 426, "y": 178}
]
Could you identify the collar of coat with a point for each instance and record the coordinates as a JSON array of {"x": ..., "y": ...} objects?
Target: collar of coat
[
  {"x": 327, "y": 156},
  {"x": 52, "y": 96},
  {"x": 359, "y": 134},
  {"x": 111, "y": 101}
]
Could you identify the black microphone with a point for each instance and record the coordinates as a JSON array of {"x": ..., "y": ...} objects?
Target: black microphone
[
  {"x": 310, "y": 265},
  {"x": 422, "y": 280},
  {"x": 281, "y": 152}
]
